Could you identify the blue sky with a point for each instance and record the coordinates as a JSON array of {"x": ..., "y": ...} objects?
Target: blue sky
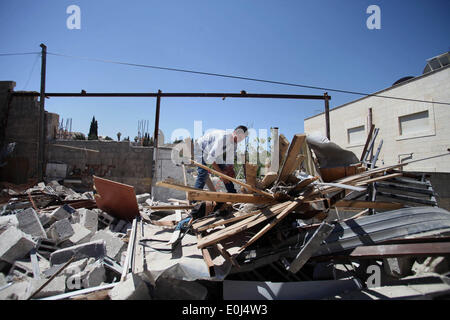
[{"x": 321, "y": 43}]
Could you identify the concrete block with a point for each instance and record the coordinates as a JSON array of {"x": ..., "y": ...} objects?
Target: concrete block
[
  {"x": 120, "y": 225},
  {"x": 398, "y": 267},
  {"x": 88, "y": 219},
  {"x": 64, "y": 212},
  {"x": 30, "y": 224},
  {"x": 15, "y": 244},
  {"x": 55, "y": 287},
  {"x": 61, "y": 230},
  {"x": 114, "y": 245},
  {"x": 2, "y": 279},
  {"x": 133, "y": 288},
  {"x": 96, "y": 249},
  {"x": 105, "y": 218},
  {"x": 141, "y": 198},
  {"x": 81, "y": 234}
]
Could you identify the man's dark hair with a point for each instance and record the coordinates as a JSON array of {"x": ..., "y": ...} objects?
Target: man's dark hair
[{"x": 243, "y": 128}]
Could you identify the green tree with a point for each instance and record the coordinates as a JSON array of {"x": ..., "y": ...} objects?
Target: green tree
[
  {"x": 93, "y": 130},
  {"x": 118, "y": 136},
  {"x": 108, "y": 138},
  {"x": 79, "y": 136}
]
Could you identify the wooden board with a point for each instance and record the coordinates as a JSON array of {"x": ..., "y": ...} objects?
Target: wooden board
[
  {"x": 269, "y": 178},
  {"x": 227, "y": 197},
  {"x": 213, "y": 222},
  {"x": 250, "y": 173},
  {"x": 240, "y": 226},
  {"x": 283, "y": 147},
  {"x": 242, "y": 184},
  {"x": 207, "y": 258},
  {"x": 271, "y": 224},
  {"x": 368, "y": 204},
  {"x": 117, "y": 199},
  {"x": 291, "y": 161}
]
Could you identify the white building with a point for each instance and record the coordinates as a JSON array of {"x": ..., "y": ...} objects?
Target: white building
[{"x": 410, "y": 130}]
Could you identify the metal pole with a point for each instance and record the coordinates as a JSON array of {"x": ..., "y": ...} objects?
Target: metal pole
[
  {"x": 155, "y": 135},
  {"x": 327, "y": 114},
  {"x": 42, "y": 113}
]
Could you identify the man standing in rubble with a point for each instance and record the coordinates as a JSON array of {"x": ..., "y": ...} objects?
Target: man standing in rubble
[{"x": 213, "y": 148}]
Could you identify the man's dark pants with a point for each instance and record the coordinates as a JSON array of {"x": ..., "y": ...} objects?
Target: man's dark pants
[{"x": 202, "y": 174}]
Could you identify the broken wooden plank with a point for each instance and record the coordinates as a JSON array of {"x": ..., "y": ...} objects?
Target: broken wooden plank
[
  {"x": 311, "y": 247},
  {"x": 176, "y": 186},
  {"x": 303, "y": 184},
  {"x": 207, "y": 258},
  {"x": 386, "y": 177},
  {"x": 271, "y": 224},
  {"x": 283, "y": 147},
  {"x": 242, "y": 184},
  {"x": 292, "y": 159},
  {"x": 242, "y": 225},
  {"x": 250, "y": 173},
  {"x": 174, "y": 207},
  {"x": 224, "y": 253},
  {"x": 368, "y": 204},
  {"x": 366, "y": 145},
  {"x": 219, "y": 221},
  {"x": 269, "y": 178},
  {"x": 227, "y": 197}
]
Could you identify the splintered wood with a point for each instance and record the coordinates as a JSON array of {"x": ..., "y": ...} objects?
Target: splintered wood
[{"x": 289, "y": 194}]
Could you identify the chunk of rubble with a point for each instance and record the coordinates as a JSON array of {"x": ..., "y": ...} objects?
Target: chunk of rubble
[
  {"x": 133, "y": 288},
  {"x": 114, "y": 245},
  {"x": 141, "y": 198},
  {"x": 95, "y": 249},
  {"x": 80, "y": 235},
  {"x": 15, "y": 244},
  {"x": 64, "y": 212},
  {"x": 438, "y": 265},
  {"x": 61, "y": 230},
  {"x": 55, "y": 287},
  {"x": 88, "y": 219},
  {"x": 19, "y": 290},
  {"x": 30, "y": 224}
]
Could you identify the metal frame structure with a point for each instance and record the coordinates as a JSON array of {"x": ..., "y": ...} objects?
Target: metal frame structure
[{"x": 158, "y": 95}]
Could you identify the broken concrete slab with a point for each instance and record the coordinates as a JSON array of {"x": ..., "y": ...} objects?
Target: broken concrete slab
[
  {"x": 88, "y": 219},
  {"x": 96, "y": 249},
  {"x": 46, "y": 219},
  {"x": 61, "y": 230},
  {"x": 56, "y": 286},
  {"x": 15, "y": 244},
  {"x": 119, "y": 226},
  {"x": 114, "y": 245},
  {"x": 104, "y": 218},
  {"x": 2, "y": 280},
  {"x": 133, "y": 288},
  {"x": 30, "y": 224}
]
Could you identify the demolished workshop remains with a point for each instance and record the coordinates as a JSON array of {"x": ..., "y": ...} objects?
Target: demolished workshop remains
[{"x": 313, "y": 229}]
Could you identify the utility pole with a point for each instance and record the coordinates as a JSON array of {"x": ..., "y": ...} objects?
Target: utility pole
[{"x": 42, "y": 114}]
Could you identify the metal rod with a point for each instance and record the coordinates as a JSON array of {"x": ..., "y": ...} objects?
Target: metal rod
[
  {"x": 40, "y": 168},
  {"x": 158, "y": 104},
  {"x": 52, "y": 277},
  {"x": 176, "y": 95}
]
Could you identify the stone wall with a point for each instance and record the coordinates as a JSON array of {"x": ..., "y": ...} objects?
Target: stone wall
[
  {"x": 117, "y": 161},
  {"x": 22, "y": 127}
]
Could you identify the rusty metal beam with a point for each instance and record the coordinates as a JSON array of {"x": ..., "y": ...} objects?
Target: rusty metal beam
[{"x": 174, "y": 95}]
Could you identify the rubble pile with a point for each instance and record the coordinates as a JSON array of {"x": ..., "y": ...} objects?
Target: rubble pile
[
  {"x": 45, "y": 227},
  {"x": 316, "y": 227}
]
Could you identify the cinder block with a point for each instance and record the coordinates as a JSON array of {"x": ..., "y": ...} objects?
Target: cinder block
[
  {"x": 114, "y": 245},
  {"x": 17, "y": 291},
  {"x": 96, "y": 249},
  {"x": 398, "y": 267},
  {"x": 88, "y": 219},
  {"x": 14, "y": 244},
  {"x": 30, "y": 224},
  {"x": 64, "y": 212},
  {"x": 81, "y": 235},
  {"x": 61, "y": 230}
]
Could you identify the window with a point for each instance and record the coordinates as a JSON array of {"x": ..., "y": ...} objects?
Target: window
[
  {"x": 356, "y": 135},
  {"x": 414, "y": 123}
]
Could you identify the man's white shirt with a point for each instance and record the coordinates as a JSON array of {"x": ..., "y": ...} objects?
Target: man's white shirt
[{"x": 213, "y": 145}]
